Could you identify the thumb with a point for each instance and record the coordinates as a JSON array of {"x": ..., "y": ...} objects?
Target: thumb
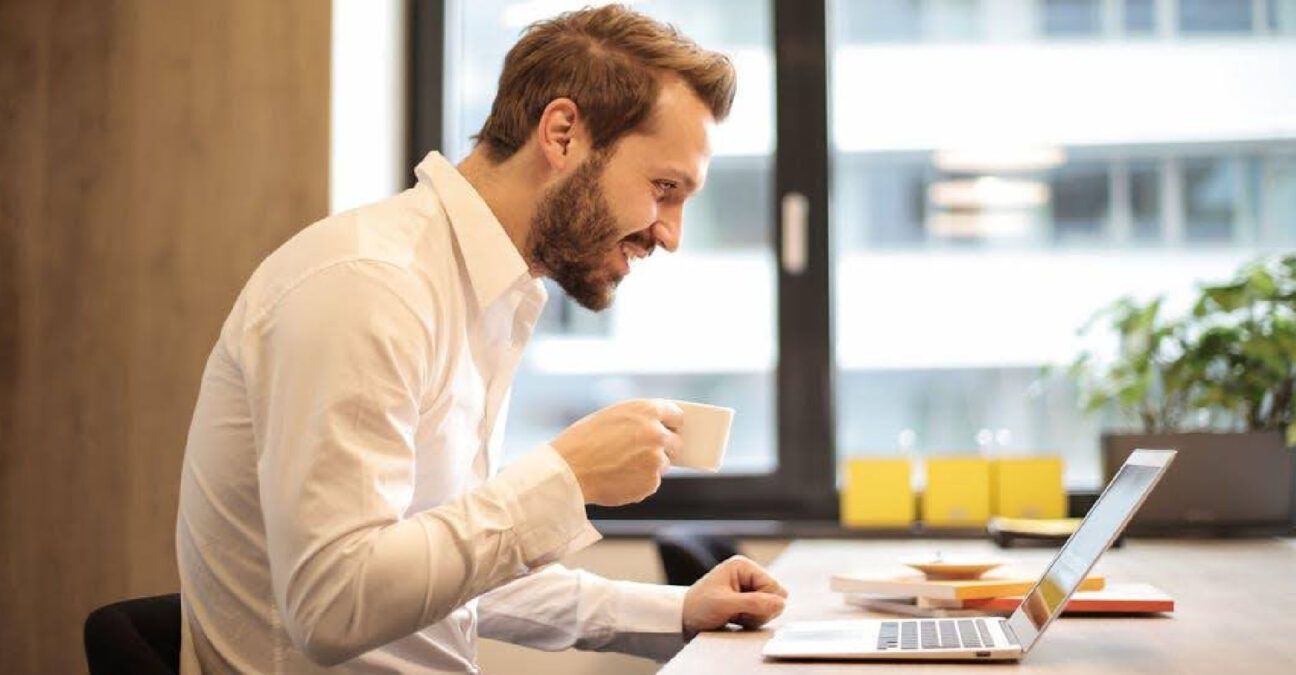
[{"x": 753, "y": 608}]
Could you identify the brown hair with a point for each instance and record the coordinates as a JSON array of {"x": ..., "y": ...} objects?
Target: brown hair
[{"x": 610, "y": 61}]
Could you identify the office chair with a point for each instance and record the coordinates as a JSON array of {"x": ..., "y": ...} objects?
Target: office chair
[
  {"x": 687, "y": 554},
  {"x": 141, "y": 635}
]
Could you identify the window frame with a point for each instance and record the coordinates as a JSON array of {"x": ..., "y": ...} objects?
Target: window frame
[{"x": 803, "y": 486}]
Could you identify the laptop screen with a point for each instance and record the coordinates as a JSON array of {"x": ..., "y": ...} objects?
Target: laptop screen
[{"x": 1100, "y": 528}]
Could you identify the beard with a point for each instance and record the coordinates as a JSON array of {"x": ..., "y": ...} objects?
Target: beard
[{"x": 572, "y": 233}]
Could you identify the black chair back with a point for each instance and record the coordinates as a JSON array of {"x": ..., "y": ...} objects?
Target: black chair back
[
  {"x": 686, "y": 554},
  {"x": 141, "y": 635}
]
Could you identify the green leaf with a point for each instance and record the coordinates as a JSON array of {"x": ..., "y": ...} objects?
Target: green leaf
[
  {"x": 1260, "y": 283},
  {"x": 1232, "y": 358},
  {"x": 1226, "y": 298}
]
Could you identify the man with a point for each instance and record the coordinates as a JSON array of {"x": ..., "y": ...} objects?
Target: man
[{"x": 339, "y": 505}]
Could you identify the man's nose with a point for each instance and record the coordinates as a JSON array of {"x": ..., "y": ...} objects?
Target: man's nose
[{"x": 668, "y": 229}]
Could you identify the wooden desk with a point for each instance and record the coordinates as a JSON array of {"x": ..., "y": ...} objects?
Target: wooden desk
[{"x": 1235, "y": 612}]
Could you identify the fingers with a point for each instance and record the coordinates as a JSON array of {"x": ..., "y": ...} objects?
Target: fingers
[
  {"x": 669, "y": 413},
  {"x": 663, "y": 462},
  {"x": 673, "y": 445},
  {"x": 748, "y": 576},
  {"x": 751, "y": 610},
  {"x": 670, "y": 418},
  {"x": 659, "y": 446}
]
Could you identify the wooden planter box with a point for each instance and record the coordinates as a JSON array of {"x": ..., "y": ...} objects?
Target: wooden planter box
[{"x": 1219, "y": 483}]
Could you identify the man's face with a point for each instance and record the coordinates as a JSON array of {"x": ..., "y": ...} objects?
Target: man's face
[{"x": 620, "y": 204}]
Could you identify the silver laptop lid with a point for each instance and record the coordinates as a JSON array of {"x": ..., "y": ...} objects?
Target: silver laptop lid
[{"x": 1104, "y": 522}]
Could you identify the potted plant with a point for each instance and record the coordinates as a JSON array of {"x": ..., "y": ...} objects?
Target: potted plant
[{"x": 1218, "y": 384}]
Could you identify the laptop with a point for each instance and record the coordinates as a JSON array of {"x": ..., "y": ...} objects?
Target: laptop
[{"x": 986, "y": 638}]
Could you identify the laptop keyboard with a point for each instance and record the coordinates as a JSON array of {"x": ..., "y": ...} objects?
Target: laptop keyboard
[{"x": 935, "y": 634}]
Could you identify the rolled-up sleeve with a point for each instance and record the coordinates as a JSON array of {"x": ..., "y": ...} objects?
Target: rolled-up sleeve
[{"x": 335, "y": 372}]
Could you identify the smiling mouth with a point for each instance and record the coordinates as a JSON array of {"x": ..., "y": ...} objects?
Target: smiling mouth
[{"x": 632, "y": 250}]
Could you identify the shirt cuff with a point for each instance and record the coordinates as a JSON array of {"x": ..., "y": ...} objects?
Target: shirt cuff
[
  {"x": 648, "y": 608},
  {"x": 642, "y": 619},
  {"x": 547, "y": 507}
]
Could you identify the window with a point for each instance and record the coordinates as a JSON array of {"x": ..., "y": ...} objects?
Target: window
[
  {"x": 1215, "y": 16},
  {"x": 1072, "y": 17},
  {"x": 665, "y": 336},
  {"x": 980, "y": 218},
  {"x": 883, "y": 20},
  {"x": 1278, "y": 220},
  {"x": 1139, "y": 16},
  {"x": 701, "y": 324},
  {"x": 981, "y": 176},
  {"x": 1080, "y": 203},
  {"x": 1144, "y": 180},
  {"x": 1219, "y": 199},
  {"x": 1282, "y": 16}
]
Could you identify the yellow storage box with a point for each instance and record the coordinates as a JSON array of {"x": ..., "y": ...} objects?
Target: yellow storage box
[
  {"x": 957, "y": 492},
  {"x": 877, "y": 493},
  {"x": 1028, "y": 487}
]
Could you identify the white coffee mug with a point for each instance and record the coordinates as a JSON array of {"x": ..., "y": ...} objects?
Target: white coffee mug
[{"x": 705, "y": 433}]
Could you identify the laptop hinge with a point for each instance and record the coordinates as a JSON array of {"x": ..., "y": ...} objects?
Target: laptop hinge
[{"x": 1008, "y": 633}]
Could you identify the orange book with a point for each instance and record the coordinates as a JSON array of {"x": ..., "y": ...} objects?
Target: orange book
[
  {"x": 919, "y": 586},
  {"x": 1114, "y": 599},
  {"x": 1138, "y": 598}
]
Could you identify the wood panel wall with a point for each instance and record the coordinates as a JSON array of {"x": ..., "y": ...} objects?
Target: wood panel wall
[{"x": 151, "y": 153}]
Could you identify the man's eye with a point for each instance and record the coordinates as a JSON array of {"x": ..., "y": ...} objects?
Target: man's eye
[{"x": 664, "y": 185}]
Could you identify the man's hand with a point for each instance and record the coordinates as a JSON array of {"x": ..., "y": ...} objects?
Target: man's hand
[
  {"x": 735, "y": 591},
  {"x": 620, "y": 452}
]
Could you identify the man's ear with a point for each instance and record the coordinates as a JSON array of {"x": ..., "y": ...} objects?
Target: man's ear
[{"x": 560, "y": 134}]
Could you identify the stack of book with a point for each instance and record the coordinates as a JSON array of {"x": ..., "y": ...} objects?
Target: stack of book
[{"x": 998, "y": 593}]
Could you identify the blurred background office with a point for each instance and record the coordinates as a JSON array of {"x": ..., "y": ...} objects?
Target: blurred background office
[{"x": 907, "y": 219}]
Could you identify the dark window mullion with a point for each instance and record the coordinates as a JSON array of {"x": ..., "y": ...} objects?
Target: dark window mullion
[
  {"x": 426, "y": 79},
  {"x": 805, "y": 385}
]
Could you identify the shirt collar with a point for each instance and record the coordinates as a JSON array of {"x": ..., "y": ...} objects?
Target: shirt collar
[{"x": 492, "y": 261}]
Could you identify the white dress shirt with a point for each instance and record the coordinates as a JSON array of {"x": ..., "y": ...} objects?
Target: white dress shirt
[{"x": 339, "y": 502}]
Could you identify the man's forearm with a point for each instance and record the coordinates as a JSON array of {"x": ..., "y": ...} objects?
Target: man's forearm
[
  {"x": 370, "y": 587},
  {"x": 558, "y": 608}
]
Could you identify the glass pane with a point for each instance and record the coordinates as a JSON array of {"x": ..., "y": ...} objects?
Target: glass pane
[
  {"x": 1072, "y": 17},
  {"x": 1282, "y": 16},
  {"x": 1080, "y": 203},
  {"x": 698, "y": 324},
  {"x": 988, "y": 197},
  {"x": 1208, "y": 199},
  {"x": 873, "y": 21},
  {"x": 881, "y": 21},
  {"x": 1220, "y": 198},
  {"x": 1279, "y": 190},
  {"x": 1145, "y": 200},
  {"x": 1139, "y": 16},
  {"x": 1215, "y": 16},
  {"x": 886, "y": 197}
]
